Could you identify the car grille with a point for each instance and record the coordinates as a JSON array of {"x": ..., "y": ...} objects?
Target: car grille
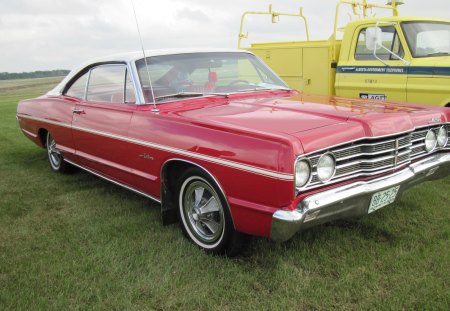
[{"x": 370, "y": 157}]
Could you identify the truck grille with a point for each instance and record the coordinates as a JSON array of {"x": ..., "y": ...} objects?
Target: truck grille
[{"x": 370, "y": 157}]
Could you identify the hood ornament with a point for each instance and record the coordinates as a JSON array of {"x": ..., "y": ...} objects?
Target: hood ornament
[{"x": 435, "y": 120}]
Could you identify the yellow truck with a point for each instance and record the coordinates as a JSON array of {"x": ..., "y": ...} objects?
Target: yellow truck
[{"x": 388, "y": 58}]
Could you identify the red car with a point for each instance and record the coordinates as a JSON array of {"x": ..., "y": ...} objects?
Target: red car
[{"x": 228, "y": 149}]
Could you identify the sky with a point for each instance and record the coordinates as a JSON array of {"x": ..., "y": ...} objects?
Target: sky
[{"x": 49, "y": 34}]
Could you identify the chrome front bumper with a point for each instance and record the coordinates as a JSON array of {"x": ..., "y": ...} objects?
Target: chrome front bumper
[{"x": 353, "y": 199}]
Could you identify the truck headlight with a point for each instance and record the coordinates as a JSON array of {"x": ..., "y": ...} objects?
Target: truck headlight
[
  {"x": 302, "y": 173},
  {"x": 326, "y": 167},
  {"x": 430, "y": 141},
  {"x": 442, "y": 136}
]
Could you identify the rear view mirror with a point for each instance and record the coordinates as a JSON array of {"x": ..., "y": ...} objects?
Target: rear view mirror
[{"x": 373, "y": 38}]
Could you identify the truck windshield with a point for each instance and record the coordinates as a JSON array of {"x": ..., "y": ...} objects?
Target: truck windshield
[
  {"x": 187, "y": 75},
  {"x": 427, "y": 39}
]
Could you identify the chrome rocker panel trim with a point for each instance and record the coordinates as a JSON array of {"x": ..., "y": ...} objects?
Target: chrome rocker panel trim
[
  {"x": 353, "y": 200},
  {"x": 113, "y": 181}
]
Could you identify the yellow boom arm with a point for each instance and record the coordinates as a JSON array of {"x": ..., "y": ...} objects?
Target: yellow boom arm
[{"x": 275, "y": 15}]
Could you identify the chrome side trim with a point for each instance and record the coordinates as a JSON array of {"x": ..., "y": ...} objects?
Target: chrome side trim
[
  {"x": 29, "y": 133},
  {"x": 232, "y": 164},
  {"x": 113, "y": 181},
  {"x": 46, "y": 121}
]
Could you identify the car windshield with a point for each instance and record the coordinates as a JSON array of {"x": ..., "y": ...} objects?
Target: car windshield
[
  {"x": 198, "y": 74},
  {"x": 427, "y": 39}
]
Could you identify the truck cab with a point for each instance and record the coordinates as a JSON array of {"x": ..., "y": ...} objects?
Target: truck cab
[
  {"x": 391, "y": 58},
  {"x": 411, "y": 63}
]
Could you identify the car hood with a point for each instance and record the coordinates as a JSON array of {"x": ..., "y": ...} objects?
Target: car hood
[
  {"x": 262, "y": 114},
  {"x": 304, "y": 113},
  {"x": 304, "y": 116}
]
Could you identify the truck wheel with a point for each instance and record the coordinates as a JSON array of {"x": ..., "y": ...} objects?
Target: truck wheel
[
  {"x": 55, "y": 157},
  {"x": 204, "y": 215}
]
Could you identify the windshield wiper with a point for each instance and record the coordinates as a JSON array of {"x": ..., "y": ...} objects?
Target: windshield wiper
[
  {"x": 439, "y": 54},
  {"x": 198, "y": 94},
  {"x": 179, "y": 95},
  {"x": 189, "y": 94},
  {"x": 264, "y": 89}
]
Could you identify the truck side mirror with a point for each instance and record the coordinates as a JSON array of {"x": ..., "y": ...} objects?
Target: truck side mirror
[{"x": 373, "y": 38}]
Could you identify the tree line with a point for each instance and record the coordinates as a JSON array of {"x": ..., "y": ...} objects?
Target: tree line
[{"x": 33, "y": 74}]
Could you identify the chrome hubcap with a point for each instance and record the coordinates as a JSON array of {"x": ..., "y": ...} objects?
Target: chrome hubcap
[
  {"x": 203, "y": 211},
  {"x": 53, "y": 154}
]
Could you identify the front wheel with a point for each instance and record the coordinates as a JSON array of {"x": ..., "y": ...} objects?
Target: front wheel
[
  {"x": 55, "y": 157},
  {"x": 204, "y": 215}
]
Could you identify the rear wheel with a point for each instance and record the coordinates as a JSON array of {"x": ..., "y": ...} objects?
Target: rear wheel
[
  {"x": 204, "y": 215},
  {"x": 55, "y": 157}
]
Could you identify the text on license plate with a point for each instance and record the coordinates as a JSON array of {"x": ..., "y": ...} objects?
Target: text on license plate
[{"x": 383, "y": 198}]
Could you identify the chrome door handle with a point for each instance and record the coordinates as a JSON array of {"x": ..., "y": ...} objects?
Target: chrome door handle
[{"x": 78, "y": 111}]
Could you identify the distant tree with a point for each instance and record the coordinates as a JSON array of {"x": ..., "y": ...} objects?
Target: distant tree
[{"x": 33, "y": 74}]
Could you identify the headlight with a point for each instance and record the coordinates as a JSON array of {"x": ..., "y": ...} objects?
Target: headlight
[
  {"x": 302, "y": 173},
  {"x": 430, "y": 141},
  {"x": 326, "y": 167},
  {"x": 442, "y": 136}
]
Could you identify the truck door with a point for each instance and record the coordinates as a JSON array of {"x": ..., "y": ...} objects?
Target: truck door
[{"x": 361, "y": 75}]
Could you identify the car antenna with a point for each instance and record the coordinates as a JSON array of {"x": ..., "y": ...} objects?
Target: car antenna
[{"x": 155, "y": 109}]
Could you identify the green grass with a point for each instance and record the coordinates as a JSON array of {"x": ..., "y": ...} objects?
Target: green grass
[{"x": 78, "y": 242}]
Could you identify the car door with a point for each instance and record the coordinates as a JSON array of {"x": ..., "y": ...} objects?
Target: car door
[
  {"x": 60, "y": 114},
  {"x": 100, "y": 122},
  {"x": 362, "y": 75}
]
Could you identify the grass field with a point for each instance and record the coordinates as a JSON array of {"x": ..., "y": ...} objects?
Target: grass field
[{"x": 78, "y": 242}]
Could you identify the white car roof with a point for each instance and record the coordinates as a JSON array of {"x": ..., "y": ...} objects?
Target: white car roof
[{"x": 132, "y": 57}]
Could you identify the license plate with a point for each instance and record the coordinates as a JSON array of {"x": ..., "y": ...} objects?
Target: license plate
[
  {"x": 372, "y": 96},
  {"x": 383, "y": 198}
]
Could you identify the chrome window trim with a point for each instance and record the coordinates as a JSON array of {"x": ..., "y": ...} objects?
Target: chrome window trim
[
  {"x": 125, "y": 85},
  {"x": 137, "y": 83},
  {"x": 129, "y": 72},
  {"x": 87, "y": 84},
  {"x": 105, "y": 65}
]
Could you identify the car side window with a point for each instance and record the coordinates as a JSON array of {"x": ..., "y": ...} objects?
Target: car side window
[
  {"x": 130, "y": 95},
  {"x": 78, "y": 88},
  {"x": 107, "y": 84},
  {"x": 391, "y": 41}
]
